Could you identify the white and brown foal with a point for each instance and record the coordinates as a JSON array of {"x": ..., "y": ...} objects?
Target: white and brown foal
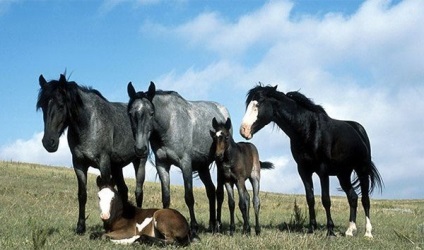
[{"x": 124, "y": 223}]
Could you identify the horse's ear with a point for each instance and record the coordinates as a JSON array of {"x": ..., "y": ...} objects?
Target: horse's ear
[
  {"x": 275, "y": 87},
  {"x": 62, "y": 78},
  {"x": 214, "y": 123},
  {"x": 151, "y": 91},
  {"x": 42, "y": 81},
  {"x": 228, "y": 124},
  {"x": 213, "y": 134},
  {"x": 99, "y": 182},
  {"x": 131, "y": 90}
]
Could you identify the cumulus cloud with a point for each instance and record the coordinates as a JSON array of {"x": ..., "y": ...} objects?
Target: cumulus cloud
[{"x": 365, "y": 66}]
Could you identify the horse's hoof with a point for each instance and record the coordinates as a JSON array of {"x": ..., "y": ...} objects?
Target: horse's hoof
[
  {"x": 195, "y": 238},
  {"x": 80, "y": 230}
]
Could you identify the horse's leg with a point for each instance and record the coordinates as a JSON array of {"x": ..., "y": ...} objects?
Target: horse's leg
[
  {"x": 352, "y": 198},
  {"x": 256, "y": 201},
  {"x": 231, "y": 206},
  {"x": 243, "y": 204},
  {"x": 118, "y": 177},
  {"x": 140, "y": 173},
  {"x": 365, "y": 184},
  {"x": 205, "y": 177},
  {"x": 326, "y": 202},
  {"x": 189, "y": 197},
  {"x": 306, "y": 177},
  {"x": 81, "y": 172},
  {"x": 163, "y": 172},
  {"x": 219, "y": 199}
]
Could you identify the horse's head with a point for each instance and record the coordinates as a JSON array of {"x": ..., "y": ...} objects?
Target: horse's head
[
  {"x": 259, "y": 110},
  {"x": 109, "y": 202},
  {"x": 221, "y": 136},
  {"x": 53, "y": 101},
  {"x": 141, "y": 112}
]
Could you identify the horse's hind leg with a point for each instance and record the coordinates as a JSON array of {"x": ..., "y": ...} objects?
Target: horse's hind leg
[
  {"x": 244, "y": 202},
  {"x": 352, "y": 198},
  {"x": 364, "y": 180},
  {"x": 256, "y": 202}
]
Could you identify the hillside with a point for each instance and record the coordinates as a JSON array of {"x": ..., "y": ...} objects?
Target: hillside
[{"x": 38, "y": 207}]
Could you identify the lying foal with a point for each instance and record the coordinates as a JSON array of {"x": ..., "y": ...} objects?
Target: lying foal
[
  {"x": 124, "y": 223},
  {"x": 237, "y": 162}
]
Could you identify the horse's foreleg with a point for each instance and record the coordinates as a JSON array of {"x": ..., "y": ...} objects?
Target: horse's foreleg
[
  {"x": 205, "y": 176},
  {"x": 118, "y": 177},
  {"x": 310, "y": 199},
  {"x": 231, "y": 206},
  {"x": 163, "y": 172},
  {"x": 326, "y": 202},
  {"x": 189, "y": 197},
  {"x": 352, "y": 198},
  {"x": 256, "y": 202},
  {"x": 81, "y": 173},
  {"x": 140, "y": 173},
  {"x": 243, "y": 205}
]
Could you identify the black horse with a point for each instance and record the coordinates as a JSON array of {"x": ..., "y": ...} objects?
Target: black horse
[
  {"x": 320, "y": 145},
  {"x": 178, "y": 132},
  {"x": 99, "y": 135}
]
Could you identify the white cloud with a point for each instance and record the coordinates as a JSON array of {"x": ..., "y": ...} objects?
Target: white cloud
[{"x": 366, "y": 67}]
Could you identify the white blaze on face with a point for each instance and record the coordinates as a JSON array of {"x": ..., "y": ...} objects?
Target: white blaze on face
[
  {"x": 105, "y": 201},
  {"x": 249, "y": 118}
]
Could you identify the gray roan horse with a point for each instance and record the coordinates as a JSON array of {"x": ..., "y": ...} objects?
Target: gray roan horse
[
  {"x": 320, "y": 145},
  {"x": 99, "y": 134},
  {"x": 178, "y": 131}
]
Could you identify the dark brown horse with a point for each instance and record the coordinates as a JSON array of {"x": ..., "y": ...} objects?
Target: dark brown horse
[
  {"x": 124, "y": 223},
  {"x": 319, "y": 144},
  {"x": 236, "y": 163}
]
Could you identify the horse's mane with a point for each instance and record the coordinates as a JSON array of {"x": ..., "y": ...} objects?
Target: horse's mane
[
  {"x": 260, "y": 91},
  {"x": 70, "y": 88},
  {"x": 305, "y": 102}
]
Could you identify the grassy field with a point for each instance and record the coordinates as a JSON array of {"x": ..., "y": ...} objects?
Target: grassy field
[{"x": 38, "y": 210}]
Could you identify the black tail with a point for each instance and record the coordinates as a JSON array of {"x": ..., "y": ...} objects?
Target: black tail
[
  {"x": 375, "y": 180},
  {"x": 266, "y": 165}
]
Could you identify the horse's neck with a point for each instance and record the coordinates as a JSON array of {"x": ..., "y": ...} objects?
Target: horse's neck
[
  {"x": 81, "y": 118},
  {"x": 230, "y": 150},
  {"x": 294, "y": 120}
]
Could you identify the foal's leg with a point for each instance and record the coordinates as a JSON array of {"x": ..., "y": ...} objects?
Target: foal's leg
[
  {"x": 352, "y": 198},
  {"x": 231, "y": 206},
  {"x": 219, "y": 199},
  {"x": 81, "y": 172},
  {"x": 326, "y": 202},
  {"x": 244, "y": 205},
  {"x": 256, "y": 202},
  {"x": 205, "y": 177},
  {"x": 306, "y": 177},
  {"x": 365, "y": 184}
]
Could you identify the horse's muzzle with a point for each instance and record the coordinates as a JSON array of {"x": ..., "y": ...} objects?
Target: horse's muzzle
[
  {"x": 245, "y": 131},
  {"x": 141, "y": 152},
  {"x": 50, "y": 144}
]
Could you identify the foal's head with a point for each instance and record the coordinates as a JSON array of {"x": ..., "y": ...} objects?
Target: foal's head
[
  {"x": 110, "y": 203},
  {"x": 221, "y": 137},
  {"x": 141, "y": 112}
]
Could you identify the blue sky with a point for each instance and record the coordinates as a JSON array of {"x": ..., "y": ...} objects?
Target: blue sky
[{"x": 361, "y": 60}]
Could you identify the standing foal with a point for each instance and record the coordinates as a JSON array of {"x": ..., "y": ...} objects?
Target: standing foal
[{"x": 237, "y": 162}]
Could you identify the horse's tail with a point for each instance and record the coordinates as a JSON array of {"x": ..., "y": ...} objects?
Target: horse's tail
[
  {"x": 266, "y": 165},
  {"x": 376, "y": 181}
]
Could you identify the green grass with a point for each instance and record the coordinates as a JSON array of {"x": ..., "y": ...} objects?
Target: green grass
[{"x": 39, "y": 207}]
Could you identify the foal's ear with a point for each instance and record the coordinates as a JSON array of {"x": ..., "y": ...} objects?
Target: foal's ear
[
  {"x": 228, "y": 124},
  {"x": 99, "y": 182},
  {"x": 275, "y": 87},
  {"x": 131, "y": 90},
  {"x": 151, "y": 91},
  {"x": 42, "y": 81}
]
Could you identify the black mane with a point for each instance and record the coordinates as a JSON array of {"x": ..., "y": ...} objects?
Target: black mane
[
  {"x": 70, "y": 89},
  {"x": 305, "y": 102},
  {"x": 259, "y": 92}
]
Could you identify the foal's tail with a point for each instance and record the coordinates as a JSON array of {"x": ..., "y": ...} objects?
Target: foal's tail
[
  {"x": 266, "y": 165},
  {"x": 376, "y": 181}
]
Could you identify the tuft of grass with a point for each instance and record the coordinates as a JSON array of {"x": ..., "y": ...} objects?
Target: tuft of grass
[{"x": 297, "y": 220}]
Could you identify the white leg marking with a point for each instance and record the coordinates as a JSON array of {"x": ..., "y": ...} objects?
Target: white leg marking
[
  {"x": 126, "y": 241},
  {"x": 351, "y": 229},
  {"x": 143, "y": 224},
  {"x": 368, "y": 228}
]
